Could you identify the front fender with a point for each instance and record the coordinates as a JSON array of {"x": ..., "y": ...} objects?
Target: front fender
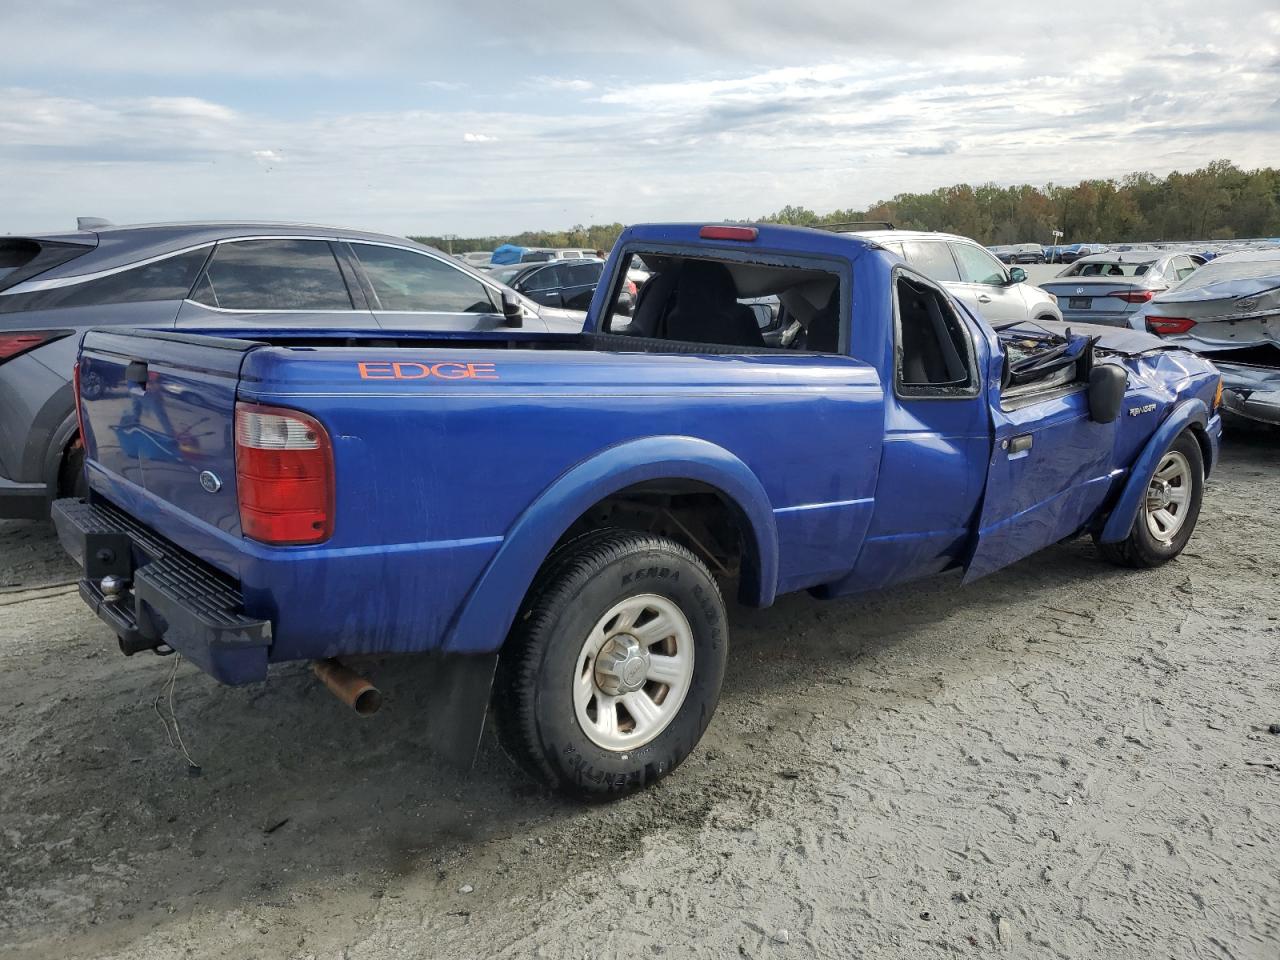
[
  {"x": 488, "y": 611},
  {"x": 1188, "y": 413}
]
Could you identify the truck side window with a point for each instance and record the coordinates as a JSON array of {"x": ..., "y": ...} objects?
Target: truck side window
[{"x": 934, "y": 352}]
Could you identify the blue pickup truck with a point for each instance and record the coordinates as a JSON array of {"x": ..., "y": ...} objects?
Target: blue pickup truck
[{"x": 551, "y": 516}]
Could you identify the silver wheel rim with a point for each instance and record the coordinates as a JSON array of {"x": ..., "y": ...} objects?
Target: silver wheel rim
[
  {"x": 633, "y": 672},
  {"x": 1168, "y": 496}
]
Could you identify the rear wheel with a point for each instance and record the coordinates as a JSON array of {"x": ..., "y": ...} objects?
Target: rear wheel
[
  {"x": 1169, "y": 509},
  {"x": 613, "y": 668}
]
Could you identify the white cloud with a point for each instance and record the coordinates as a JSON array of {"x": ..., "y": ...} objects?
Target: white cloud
[
  {"x": 572, "y": 84},
  {"x": 716, "y": 108}
]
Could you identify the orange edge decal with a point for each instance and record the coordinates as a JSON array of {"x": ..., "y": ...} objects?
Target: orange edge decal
[{"x": 417, "y": 370}]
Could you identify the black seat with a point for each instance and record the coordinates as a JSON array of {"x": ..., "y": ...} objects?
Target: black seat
[
  {"x": 707, "y": 308},
  {"x": 823, "y": 335},
  {"x": 653, "y": 304}
]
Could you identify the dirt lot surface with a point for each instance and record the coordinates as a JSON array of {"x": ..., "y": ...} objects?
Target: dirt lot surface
[{"x": 1062, "y": 760}]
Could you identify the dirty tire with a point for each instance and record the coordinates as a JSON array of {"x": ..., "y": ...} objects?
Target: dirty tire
[
  {"x": 1140, "y": 548},
  {"x": 534, "y": 691}
]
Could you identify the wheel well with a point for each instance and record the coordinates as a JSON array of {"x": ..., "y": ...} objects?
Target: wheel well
[
  {"x": 697, "y": 515},
  {"x": 1202, "y": 438}
]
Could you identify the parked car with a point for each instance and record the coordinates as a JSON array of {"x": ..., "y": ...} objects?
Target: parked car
[
  {"x": 1107, "y": 287},
  {"x": 479, "y": 259},
  {"x": 560, "y": 283},
  {"x": 1027, "y": 253},
  {"x": 180, "y": 276},
  {"x": 547, "y": 514},
  {"x": 1228, "y": 311},
  {"x": 970, "y": 272}
]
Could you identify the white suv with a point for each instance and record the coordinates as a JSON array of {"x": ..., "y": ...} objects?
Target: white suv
[{"x": 970, "y": 273}]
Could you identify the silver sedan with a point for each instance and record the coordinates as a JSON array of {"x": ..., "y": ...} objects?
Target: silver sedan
[{"x": 1108, "y": 287}]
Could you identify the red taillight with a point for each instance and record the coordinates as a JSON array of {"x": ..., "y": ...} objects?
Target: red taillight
[
  {"x": 1134, "y": 296},
  {"x": 12, "y": 344},
  {"x": 1166, "y": 326},
  {"x": 75, "y": 385},
  {"x": 631, "y": 287},
  {"x": 284, "y": 475},
  {"x": 729, "y": 233}
]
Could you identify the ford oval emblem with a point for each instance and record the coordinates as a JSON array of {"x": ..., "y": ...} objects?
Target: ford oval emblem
[{"x": 209, "y": 480}]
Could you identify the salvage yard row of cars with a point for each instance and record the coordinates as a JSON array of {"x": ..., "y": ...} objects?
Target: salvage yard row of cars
[{"x": 183, "y": 276}]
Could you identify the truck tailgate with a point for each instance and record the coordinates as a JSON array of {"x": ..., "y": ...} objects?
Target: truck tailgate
[{"x": 159, "y": 412}]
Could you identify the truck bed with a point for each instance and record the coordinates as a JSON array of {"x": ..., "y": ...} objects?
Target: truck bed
[{"x": 442, "y": 443}]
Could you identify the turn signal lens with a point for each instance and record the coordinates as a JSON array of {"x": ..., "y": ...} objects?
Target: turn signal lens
[
  {"x": 1217, "y": 396},
  {"x": 284, "y": 475},
  {"x": 1167, "y": 326}
]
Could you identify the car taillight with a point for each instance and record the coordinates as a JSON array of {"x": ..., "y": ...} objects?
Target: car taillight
[
  {"x": 1166, "y": 326},
  {"x": 284, "y": 475},
  {"x": 1134, "y": 296},
  {"x": 75, "y": 385},
  {"x": 18, "y": 342},
  {"x": 631, "y": 287}
]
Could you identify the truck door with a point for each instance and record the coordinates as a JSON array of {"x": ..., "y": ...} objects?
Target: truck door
[
  {"x": 1050, "y": 469},
  {"x": 936, "y": 439}
]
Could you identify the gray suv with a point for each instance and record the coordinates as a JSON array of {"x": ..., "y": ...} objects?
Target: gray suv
[{"x": 199, "y": 276}]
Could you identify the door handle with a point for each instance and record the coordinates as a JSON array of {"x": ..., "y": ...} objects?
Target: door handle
[
  {"x": 1020, "y": 444},
  {"x": 983, "y": 298}
]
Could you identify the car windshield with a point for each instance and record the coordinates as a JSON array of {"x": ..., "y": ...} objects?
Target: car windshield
[{"x": 1108, "y": 268}]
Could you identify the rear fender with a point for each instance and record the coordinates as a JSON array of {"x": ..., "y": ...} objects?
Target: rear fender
[
  {"x": 1190, "y": 413},
  {"x": 489, "y": 610}
]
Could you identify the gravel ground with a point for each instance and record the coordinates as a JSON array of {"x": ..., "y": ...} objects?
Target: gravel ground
[{"x": 1062, "y": 760}]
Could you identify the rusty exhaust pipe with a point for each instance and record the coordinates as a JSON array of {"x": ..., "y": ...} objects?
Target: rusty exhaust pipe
[{"x": 348, "y": 686}]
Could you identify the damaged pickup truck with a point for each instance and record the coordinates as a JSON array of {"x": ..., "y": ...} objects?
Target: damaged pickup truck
[
  {"x": 552, "y": 515},
  {"x": 1229, "y": 311}
]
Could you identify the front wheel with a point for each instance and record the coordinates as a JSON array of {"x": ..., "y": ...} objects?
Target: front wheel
[
  {"x": 1169, "y": 509},
  {"x": 613, "y": 668}
]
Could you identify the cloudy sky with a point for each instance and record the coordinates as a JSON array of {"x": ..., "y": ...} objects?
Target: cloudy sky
[{"x": 443, "y": 116}]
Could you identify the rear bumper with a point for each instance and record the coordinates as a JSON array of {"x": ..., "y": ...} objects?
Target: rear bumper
[
  {"x": 173, "y": 600},
  {"x": 23, "y": 501}
]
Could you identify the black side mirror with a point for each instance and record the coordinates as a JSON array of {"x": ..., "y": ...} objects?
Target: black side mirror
[
  {"x": 1017, "y": 275},
  {"x": 1107, "y": 385},
  {"x": 512, "y": 312}
]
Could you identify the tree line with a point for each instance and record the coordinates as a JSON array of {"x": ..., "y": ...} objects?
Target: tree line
[{"x": 1217, "y": 202}]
